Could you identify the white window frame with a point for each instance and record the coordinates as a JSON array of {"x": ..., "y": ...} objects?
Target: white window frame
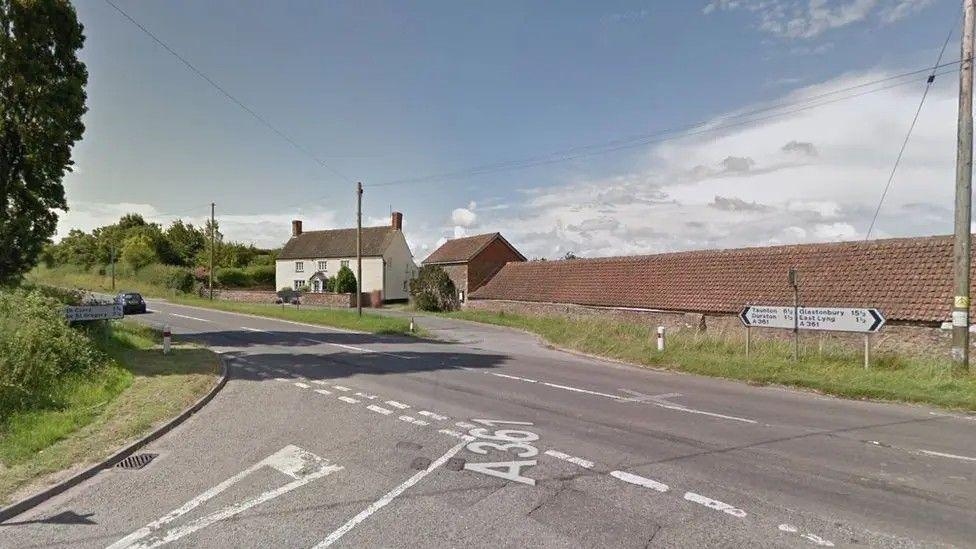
[
  {"x": 344, "y": 263},
  {"x": 323, "y": 265},
  {"x": 298, "y": 284},
  {"x": 299, "y": 266}
]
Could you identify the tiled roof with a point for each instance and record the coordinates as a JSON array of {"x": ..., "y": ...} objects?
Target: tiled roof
[
  {"x": 459, "y": 250},
  {"x": 337, "y": 243},
  {"x": 909, "y": 279}
]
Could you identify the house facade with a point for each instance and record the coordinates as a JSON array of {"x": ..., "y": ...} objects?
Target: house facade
[
  {"x": 311, "y": 257},
  {"x": 472, "y": 261}
]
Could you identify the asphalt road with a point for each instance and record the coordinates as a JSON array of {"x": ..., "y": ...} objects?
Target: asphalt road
[{"x": 326, "y": 437}]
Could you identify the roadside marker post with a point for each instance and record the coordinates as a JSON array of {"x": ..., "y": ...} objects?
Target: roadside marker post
[
  {"x": 748, "y": 340},
  {"x": 867, "y": 351},
  {"x": 411, "y": 325},
  {"x": 660, "y": 338},
  {"x": 166, "y": 339}
]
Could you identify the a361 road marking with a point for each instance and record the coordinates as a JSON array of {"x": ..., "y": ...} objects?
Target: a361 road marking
[{"x": 515, "y": 441}]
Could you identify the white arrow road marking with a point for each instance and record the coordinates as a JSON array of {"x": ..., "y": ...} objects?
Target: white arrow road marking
[
  {"x": 390, "y": 496},
  {"x": 299, "y": 464},
  {"x": 190, "y": 317}
]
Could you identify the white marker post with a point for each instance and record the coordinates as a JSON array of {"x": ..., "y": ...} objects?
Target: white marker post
[
  {"x": 411, "y": 325},
  {"x": 166, "y": 339},
  {"x": 660, "y": 338}
]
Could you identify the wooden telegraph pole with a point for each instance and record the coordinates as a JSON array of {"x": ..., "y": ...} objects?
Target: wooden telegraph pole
[
  {"x": 964, "y": 195},
  {"x": 359, "y": 249},
  {"x": 213, "y": 239}
]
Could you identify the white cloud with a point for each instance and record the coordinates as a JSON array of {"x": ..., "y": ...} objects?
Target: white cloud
[
  {"x": 809, "y": 18},
  {"x": 463, "y": 217},
  {"x": 813, "y": 176}
]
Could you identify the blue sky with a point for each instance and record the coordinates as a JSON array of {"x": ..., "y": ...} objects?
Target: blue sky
[{"x": 387, "y": 91}]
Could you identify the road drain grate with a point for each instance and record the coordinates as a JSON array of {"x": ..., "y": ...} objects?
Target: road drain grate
[{"x": 137, "y": 461}]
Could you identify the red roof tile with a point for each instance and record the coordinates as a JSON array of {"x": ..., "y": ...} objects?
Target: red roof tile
[
  {"x": 909, "y": 279},
  {"x": 460, "y": 250}
]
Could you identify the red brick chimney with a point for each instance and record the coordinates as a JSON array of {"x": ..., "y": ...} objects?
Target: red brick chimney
[
  {"x": 396, "y": 221},
  {"x": 296, "y": 227}
]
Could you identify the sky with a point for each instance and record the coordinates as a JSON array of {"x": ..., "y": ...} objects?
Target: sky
[{"x": 540, "y": 120}]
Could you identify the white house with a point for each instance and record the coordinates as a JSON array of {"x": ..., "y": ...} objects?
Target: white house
[{"x": 308, "y": 258}]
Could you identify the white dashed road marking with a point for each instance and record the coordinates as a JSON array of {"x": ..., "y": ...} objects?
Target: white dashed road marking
[
  {"x": 190, "y": 317},
  {"x": 379, "y": 409},
  {"x": 413, "y": 420},
  {"x": 950, "y": 456},
  {"x": 640, "y": 481},
  {"x": 301, "y": 385},
  {"x": 517, "y": 378},
  {"x": 366, "y": 396},
  {"x": 586, "y": 464},
  {"x": 341, "y": 388},
  {"x": 323, "y": 392},
  {"x": 255, "y": 330},
  {"x": 466, "y": 425},
  {"x": 398, "y": 405},
  {"x": 320, "y": 382},
  {"x": 714, "y": 504},
  {"x": 350, "y": 400},
  {"x": 432, "y": 415}
]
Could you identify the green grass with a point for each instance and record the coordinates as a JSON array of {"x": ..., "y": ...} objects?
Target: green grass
[
  {"x": 838, "y": 371},
  {"x": 69, "y": 277},
  {"x": 96, "y": 415},
  {"x": 337, "y": 318}
]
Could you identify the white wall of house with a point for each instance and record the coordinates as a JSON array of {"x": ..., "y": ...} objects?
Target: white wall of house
[
  {"x": 400, "y": 268},
  {"x": 288, "y": 272}
]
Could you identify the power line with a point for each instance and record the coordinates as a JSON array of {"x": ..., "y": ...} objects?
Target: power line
[
  {"x": 911, "y": 127},
  {"x": 664, "y": 135},
  {"x": 228, "y": 95}
]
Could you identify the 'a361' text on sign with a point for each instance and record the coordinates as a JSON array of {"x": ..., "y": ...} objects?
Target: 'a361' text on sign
[{"x": 835, "y": 319}]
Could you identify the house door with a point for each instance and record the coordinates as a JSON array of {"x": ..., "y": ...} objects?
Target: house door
[{"x": 317, "y": 286}]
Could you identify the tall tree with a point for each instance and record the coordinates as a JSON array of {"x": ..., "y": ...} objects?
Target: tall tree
[{"x": 42, "y": 100}]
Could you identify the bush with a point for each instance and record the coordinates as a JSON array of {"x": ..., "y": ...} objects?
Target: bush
[
  {"x": 287, "y": 294},
  {"x": 433, "y": 290},
  {"x": 231, "y": 277},
  {"x": 345, "y": 281},
  {"x": 168, "y": 276},
  {"x": 261, "y": 275},
  {"x": 37, "y": 349}
]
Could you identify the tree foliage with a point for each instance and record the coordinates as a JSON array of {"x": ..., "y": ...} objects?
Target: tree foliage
[
  {"x": 433, "y": 290},
  {"x": 137, "y": 251},
  {"x": 42, "y": 100},
  {"x": 345, "y": 281}
]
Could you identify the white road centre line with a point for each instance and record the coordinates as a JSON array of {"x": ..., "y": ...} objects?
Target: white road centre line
[
  {"x": 255, "y": 330},
  {"x": 323, "y": 392},
  {"x": 813, "y": 538},
  {"x": 586, "y": 464},
  {"x": 341, "y": 388},
  {"x": 301, "y": 385},
  {"x": 190, "y": 317},
  {"x": 388, "y": 497},
  {"x": 945, "y": 455},
  {"x": 398, "y": 405},
  {"x": 414, "y": 420},
  {"x": 640, "y": 481},
  {"x": 714, "y": 504},
  {"x": 432, "y": 415},
  {"x": 299, "y": 464},
  {"x": 701, "y": 412},
  {"x": 366, "y": 396},
  {"x": 379, "y": 409},
  {"x": 350, "y": 400},
  {"x": 517, "y": 378}
]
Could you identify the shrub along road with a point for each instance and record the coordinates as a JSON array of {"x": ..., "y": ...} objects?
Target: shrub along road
[{"x": 325, "y": 437}]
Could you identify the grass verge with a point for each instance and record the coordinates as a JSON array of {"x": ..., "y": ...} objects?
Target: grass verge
[
  {"x": 336, "y": 318},
  {"x": 838, "y": 371},
  {"x": 97, "y": 414}
]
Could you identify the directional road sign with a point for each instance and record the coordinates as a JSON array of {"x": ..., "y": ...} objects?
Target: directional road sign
[
  {"x": 93, "y": 312},
  {"x": 834, "y": 319}
]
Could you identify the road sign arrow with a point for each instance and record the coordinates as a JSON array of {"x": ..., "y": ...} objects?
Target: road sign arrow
[
  {"x": 744, "y": 316},
  {"x": 879, "y": 320}
]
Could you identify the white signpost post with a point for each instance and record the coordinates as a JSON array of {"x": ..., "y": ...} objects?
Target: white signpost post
[
  {"x": 93, "y": 312},
  {"x": 834, "y": 319}
]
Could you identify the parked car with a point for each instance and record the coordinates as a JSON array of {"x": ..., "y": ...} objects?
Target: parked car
[{"x": 132, "y": 302}]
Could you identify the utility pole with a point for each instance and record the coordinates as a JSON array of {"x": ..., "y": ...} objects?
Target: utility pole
[
  {"x": 961, "y": 249},
  {"x": 213, "y": 239},
  {"x": 359, "y": 249}
]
